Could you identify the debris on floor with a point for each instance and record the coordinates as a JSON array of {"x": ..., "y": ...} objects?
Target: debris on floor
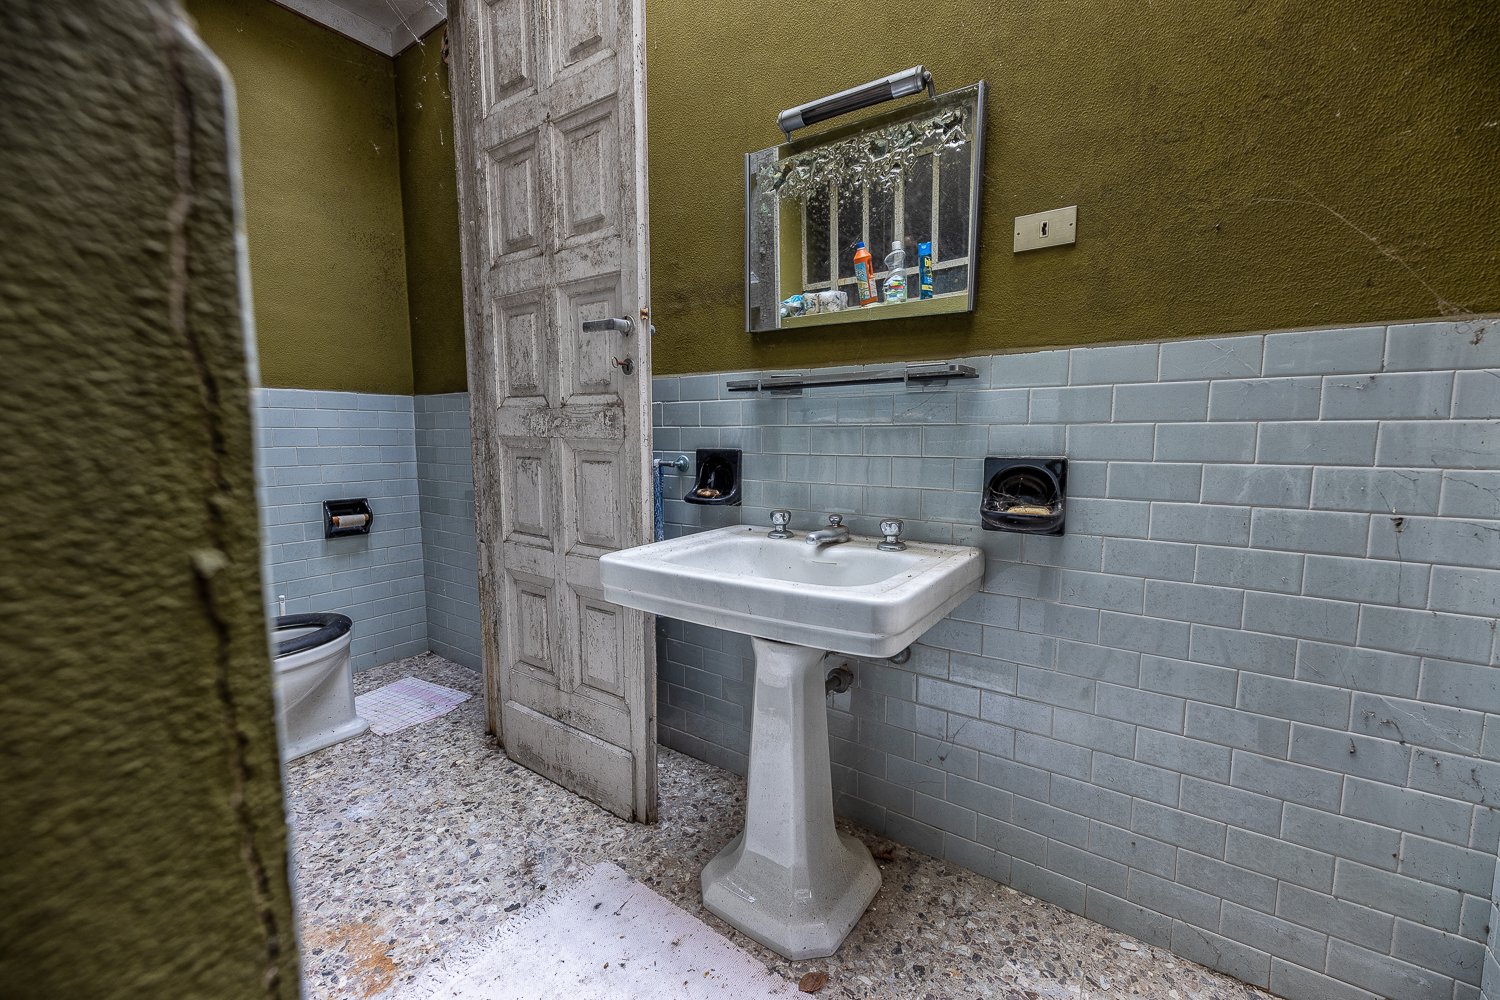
[
  {"x": 812, "y": 982},
  {"x": 413, "y": 846}
]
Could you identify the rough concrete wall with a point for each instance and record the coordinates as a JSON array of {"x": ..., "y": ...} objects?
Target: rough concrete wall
[
  {"x": 429, "y": 205},
  {"x": 322, "y": 198},
  {"x": 143, "y": 822},
  {"x": 1236, "y": 166}
]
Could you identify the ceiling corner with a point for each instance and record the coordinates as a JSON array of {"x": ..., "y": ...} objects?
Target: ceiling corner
[{"x": 387, "y": 26}]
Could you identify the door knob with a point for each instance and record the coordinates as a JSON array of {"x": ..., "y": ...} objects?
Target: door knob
[{"x": 619, "y": 324}]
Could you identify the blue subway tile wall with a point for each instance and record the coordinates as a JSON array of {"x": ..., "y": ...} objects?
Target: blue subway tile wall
[
  {"x": 445, "y": 485},
  {"x": 317, "y": 446},
  {"x": 1248, "y": 708}
]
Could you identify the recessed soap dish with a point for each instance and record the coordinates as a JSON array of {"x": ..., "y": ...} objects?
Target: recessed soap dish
[
  {"x": 1026, "y": 495},
  {"x": 718, "y": 481}
]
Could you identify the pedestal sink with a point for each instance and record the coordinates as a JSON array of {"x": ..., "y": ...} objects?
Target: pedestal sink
[{"x": 790, "y": 880}]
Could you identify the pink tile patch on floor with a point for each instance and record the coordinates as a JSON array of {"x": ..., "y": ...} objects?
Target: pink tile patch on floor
[{"x": 406, "y": 702}]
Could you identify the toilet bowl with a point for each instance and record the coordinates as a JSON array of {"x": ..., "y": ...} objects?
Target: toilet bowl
[{"x": 314, "y": 684}]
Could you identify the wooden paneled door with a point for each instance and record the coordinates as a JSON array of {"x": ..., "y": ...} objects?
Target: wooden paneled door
[{"x": 550, "y": 124}]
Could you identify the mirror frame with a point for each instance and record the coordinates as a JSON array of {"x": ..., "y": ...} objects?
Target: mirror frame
[{"x": 764, "y": 266}]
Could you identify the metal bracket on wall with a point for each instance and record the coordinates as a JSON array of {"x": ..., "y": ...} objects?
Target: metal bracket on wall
[{"x": 918, "y": 373}]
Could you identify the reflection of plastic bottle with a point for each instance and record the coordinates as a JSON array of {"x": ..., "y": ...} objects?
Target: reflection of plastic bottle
[
  {"x": 895, "y": 282},
  {"x": 863, "y": 274}
]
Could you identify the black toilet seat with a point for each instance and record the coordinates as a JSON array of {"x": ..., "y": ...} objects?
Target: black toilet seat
[{"x": 329, "y": 627}]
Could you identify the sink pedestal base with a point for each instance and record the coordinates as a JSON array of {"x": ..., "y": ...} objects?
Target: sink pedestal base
[{"x": 790, "y": 880}]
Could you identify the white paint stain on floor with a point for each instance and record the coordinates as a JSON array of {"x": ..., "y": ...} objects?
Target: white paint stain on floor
[{"x": 601, "y": 937}]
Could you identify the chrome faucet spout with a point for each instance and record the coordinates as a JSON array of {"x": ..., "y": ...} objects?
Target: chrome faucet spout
[
  {"x": 827, "y": 536},
  {"x": 831, "y": 535}
]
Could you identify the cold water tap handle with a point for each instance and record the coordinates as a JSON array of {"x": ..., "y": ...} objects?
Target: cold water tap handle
[{"x": 892, "y": 531}]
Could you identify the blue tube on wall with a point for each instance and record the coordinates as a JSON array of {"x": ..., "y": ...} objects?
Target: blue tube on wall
[{"x": 657, "y": 474}]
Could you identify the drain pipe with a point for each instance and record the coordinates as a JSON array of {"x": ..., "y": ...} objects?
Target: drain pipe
[{"x": 659, "y": 468}]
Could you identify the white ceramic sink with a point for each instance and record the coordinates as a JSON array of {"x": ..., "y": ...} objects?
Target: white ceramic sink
[
  {"x": 849, "y": 597},
  {"x": 790, "y": 880}
]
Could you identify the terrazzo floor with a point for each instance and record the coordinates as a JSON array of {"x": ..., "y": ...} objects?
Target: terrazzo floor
[{"x": 410, "y": 846}]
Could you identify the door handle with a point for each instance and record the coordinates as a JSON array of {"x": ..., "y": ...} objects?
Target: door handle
[{"x": 619, "y": 324}]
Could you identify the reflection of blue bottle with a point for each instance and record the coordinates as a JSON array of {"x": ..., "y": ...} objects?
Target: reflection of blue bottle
[{"x": 924, "y": 268}]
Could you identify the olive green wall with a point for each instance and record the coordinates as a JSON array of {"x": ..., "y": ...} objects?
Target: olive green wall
[
  {"x": 322, "y": 198},
  {"x": 1236, "y": 166},
  {"x": 145, "y": 847},
  {"x": 429, "y": 203}
]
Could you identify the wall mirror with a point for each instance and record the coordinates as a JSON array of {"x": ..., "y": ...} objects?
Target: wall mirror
[{"x": 910, "y": 176}]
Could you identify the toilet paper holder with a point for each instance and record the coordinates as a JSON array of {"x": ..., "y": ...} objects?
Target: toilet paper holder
[{"x": 347, "y": 517}]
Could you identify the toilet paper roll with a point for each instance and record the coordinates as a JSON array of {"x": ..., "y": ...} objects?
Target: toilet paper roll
[{"x": 350, "y": 520}]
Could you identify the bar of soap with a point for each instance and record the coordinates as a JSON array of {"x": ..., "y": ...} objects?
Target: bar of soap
[
  {"x": 1031, "y": 511},
  {"x": 708, "y": 493}
]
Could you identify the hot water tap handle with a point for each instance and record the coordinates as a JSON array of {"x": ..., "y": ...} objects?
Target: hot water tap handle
[{"x": 780, "y": 518}]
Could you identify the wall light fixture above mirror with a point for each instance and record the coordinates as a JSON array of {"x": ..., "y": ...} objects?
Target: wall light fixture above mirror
[{"x": 907, "y": 180}]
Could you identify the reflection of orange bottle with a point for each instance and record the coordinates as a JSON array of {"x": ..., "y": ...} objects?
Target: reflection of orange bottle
[{"x": 864, "y": 275}]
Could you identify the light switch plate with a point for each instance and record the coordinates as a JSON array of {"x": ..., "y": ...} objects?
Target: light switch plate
[{"x": 1047, "y": 229}]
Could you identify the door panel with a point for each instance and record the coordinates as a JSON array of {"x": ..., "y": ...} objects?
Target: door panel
[
  {"x": 581, "y": 761},
  {"x": 588, "y": 162},
  {"x": 600, "y": 715},
  {"x": 521, "y": 325},
  {"x": 549, "y": 107},
  {"x": 533, "y": 634},
  {"x": 514, "y": 189},
  {"x": 529, "y": 513},
  {"x": 586, "y": 360},
  {"x": 581, "y": 28},
  {"x": 506, "y": 36},
  {"x": 599, "y": 641},
  {"x": 596, "y": 490}
]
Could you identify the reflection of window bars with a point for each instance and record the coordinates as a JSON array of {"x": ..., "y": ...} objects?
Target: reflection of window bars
[{"x": 836, "y": 253}]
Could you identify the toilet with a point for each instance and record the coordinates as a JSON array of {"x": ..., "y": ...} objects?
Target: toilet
[{"x": 314, "y": 683}]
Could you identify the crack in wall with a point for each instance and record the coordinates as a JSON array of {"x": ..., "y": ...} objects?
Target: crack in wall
[
  {"x": 209, "y": 561},
  {"x": 1445, "y": 307},
  {"x": 1437, "y": 733},
  {"x": 1208, "y": 370}
]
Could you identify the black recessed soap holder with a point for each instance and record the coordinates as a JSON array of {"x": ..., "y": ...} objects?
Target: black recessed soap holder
[
  {"x": 1027, "y": 495},
  {"x": 347, "y": 517},
  {"x": 717, "y": 483}
]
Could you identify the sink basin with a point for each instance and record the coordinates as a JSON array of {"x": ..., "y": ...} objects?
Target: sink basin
[
  {"x": 790, "y": 880},
  {"x": 849, "y": 598}
]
